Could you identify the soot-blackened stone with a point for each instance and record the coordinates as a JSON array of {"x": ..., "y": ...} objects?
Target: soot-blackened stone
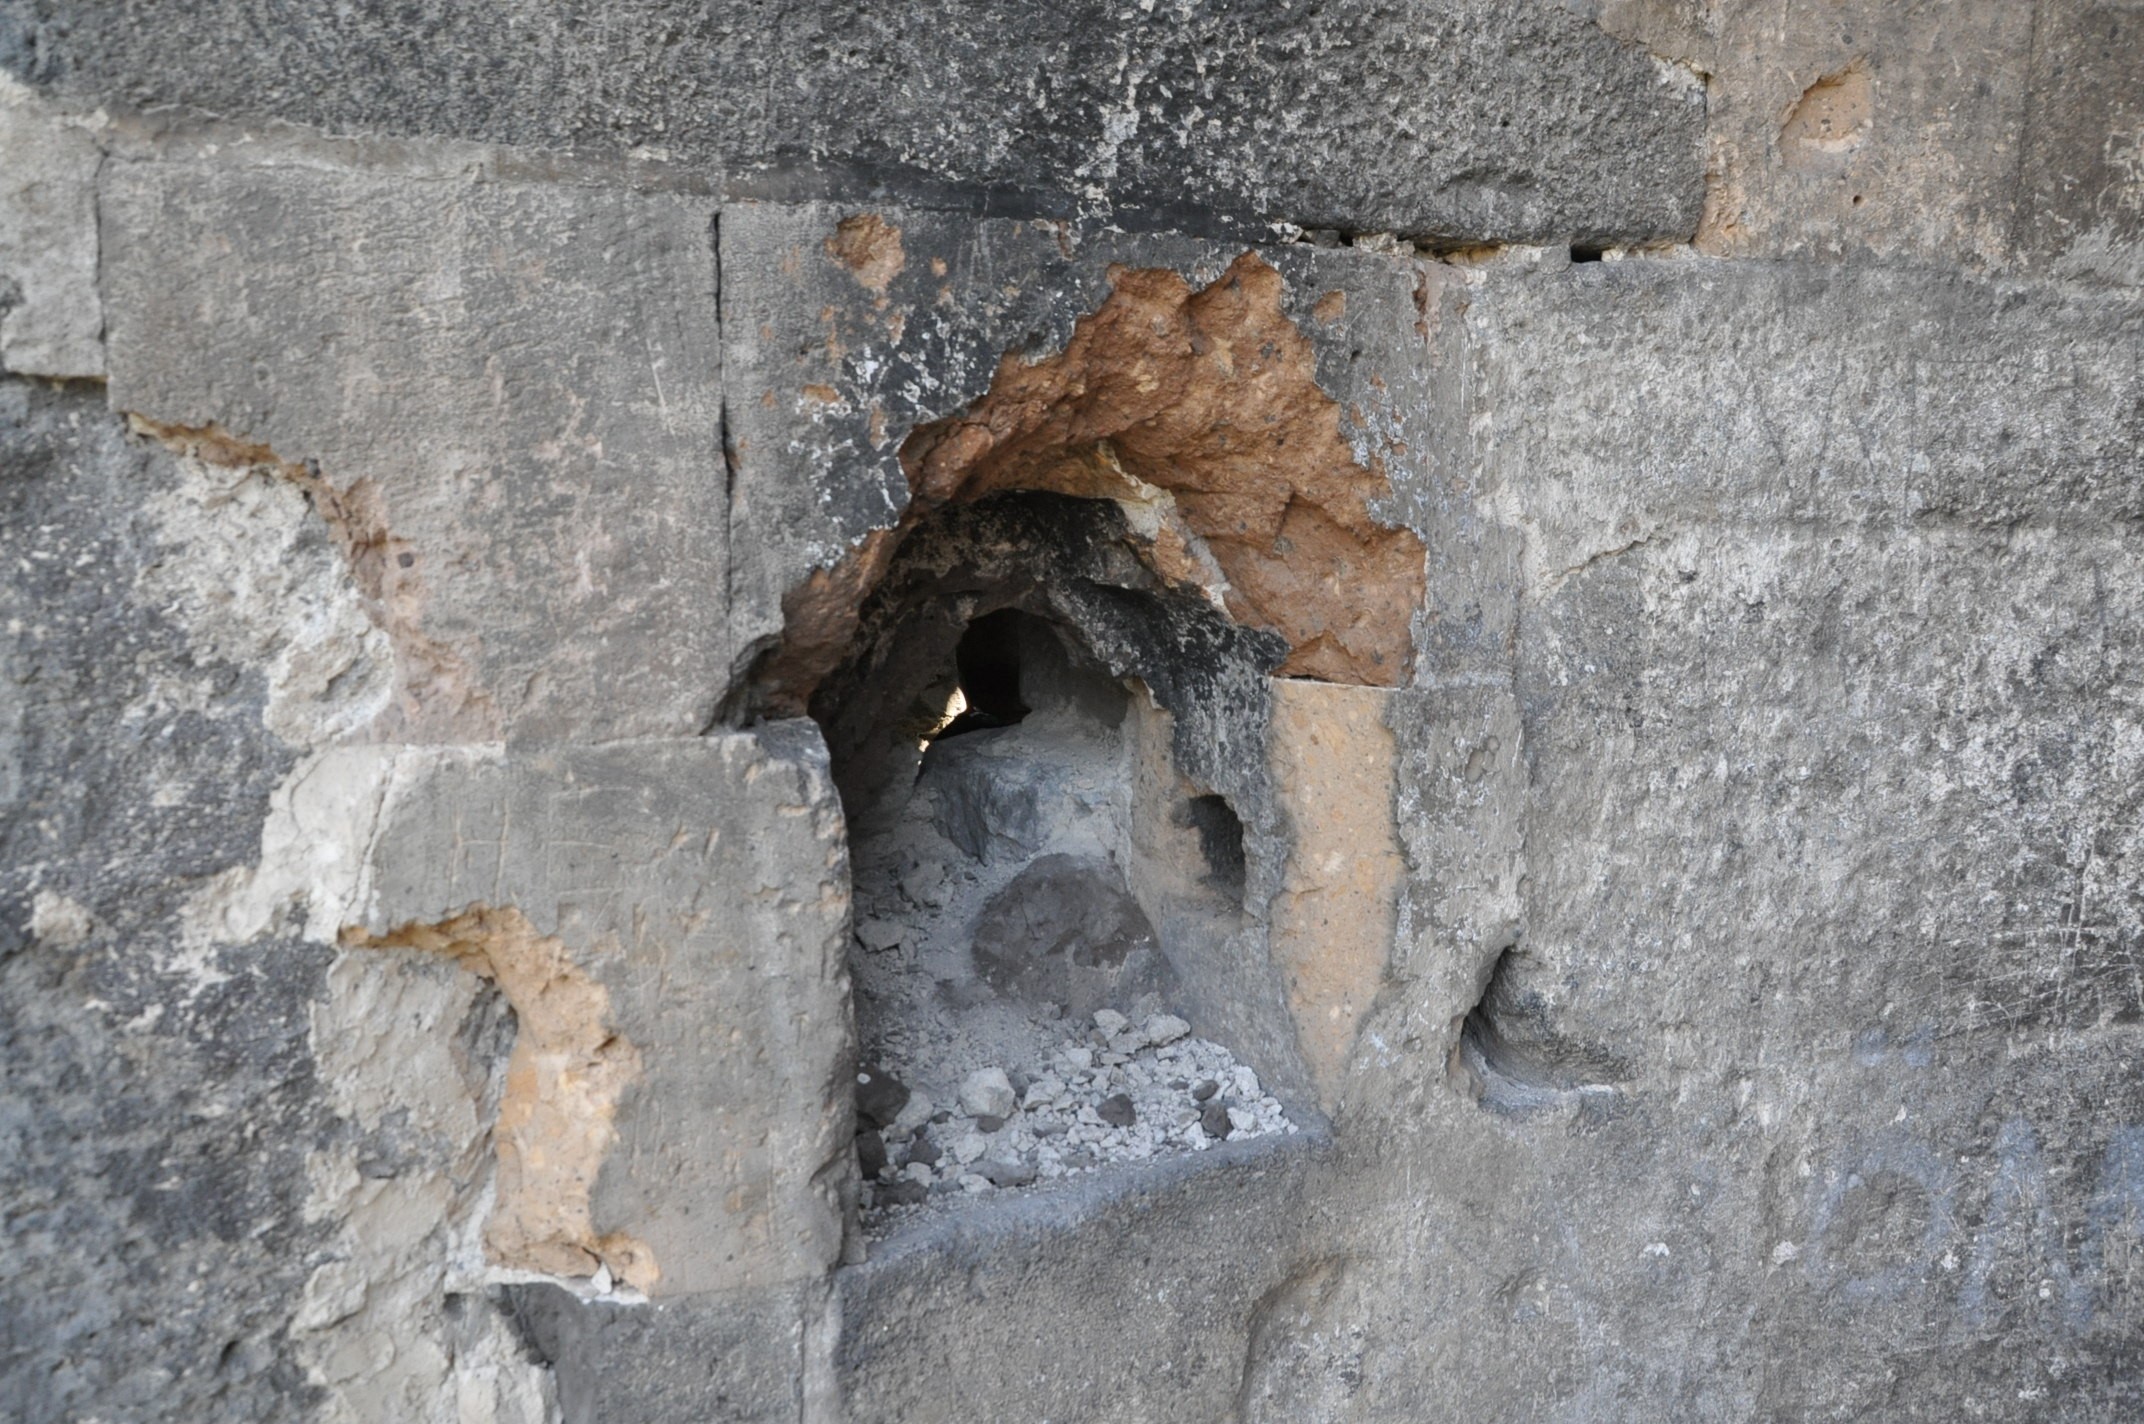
[{"x": 879, "y": 1097}]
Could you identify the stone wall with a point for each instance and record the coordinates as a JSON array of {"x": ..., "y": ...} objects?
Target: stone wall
[{"x": 1629, "y": 512}]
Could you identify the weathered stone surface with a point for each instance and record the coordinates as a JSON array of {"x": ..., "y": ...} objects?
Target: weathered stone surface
[
  {"x": 626, "y": 898},
  {"x": 2081, "y": 168},
  {"x": 1755, "y": 1032},
  {"x": 750, "y": 1356},
  {"x": 1855, "y": 132},
  {"x": 1463, "y": 118},
  {"x": 1334, "y": 919},
  {"x": 1163, "y": 1278},
  {"x": 179, "y": 1165},
  {"x": 509, "y": 396},
  {"x": 50, "y": 318},
  {"x": 1252, "y": 412},
  {"x": 1828, "y": 838}
]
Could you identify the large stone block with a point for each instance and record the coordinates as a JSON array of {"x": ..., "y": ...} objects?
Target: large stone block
[
  {"x": 506, "y": 395},
  {"x": 51, "y": 321},
  {"x": 668, "y": 921},
  {"x": 1851, "y": 131},
  {"x": 1462, "y": 118},
  {"x": 1826, "y": 712},
  {"x": 1615, "y": 401}
]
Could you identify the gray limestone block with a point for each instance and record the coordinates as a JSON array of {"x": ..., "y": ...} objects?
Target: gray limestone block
[
  {"x": 1858, "y": 668},
  {"x": 1462, "y": 118},
  {"x": 2081, "y": 204},
  {"x": 1145, "y": 1295},
  {"x": 1613, "y": 403},
  {"x": 701, "y": 885},
  {"x": 747, "y": 1361},
  {"x": 50, "y": 319},
  {"x": 511, "y": 390}
]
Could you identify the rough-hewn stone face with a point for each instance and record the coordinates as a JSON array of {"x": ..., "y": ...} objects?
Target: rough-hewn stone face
[
  {"x": 1704, "y": 964},
  {"x": 50, "y": 317},
  {"x": 510, "y": 390},
  {"x": 624, "y": 899},
  {"x": 1458, "y": 117},
  {"x": 1335, "y": 916}
]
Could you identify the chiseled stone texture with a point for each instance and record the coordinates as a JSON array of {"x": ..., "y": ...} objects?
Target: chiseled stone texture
[
  {"x": 1469, "y": 118},
  {"x": 1828, "y": 676},
  {"x": 1335, "y": 915},
  {"x": 50, "y": 319},
  {"x": 703, "y": 883},
  {"x": 512, "y": 390},
  {"x": 1989, "y": 136},
  {"x": 1761, "y": 1029}
]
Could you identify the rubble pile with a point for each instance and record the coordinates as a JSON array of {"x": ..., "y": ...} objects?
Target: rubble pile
[{"x": 1123, "y": 1093}]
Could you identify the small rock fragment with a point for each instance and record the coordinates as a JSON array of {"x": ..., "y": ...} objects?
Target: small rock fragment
[
  {"x": 903, "y": 1193},
  {"x": 1110, "y": 1022},
  {"x": 1164, "y": 1028},
  {"x": 1215, "y": 1121},
  {"x": 924, "y": 1150},
  {"x": 1205, "y": 1090},
  {"x": 1117, "y": 1110},
  {"x": 988, "y": 1091},
  {"x": 879, "y": 1097},
  {"x": 1243, "y": 1121},
  {"x": 912, "y": 1116},
  {"x": 870, "y": 1153},
  {"x": 1006, "y": 1174},
  {"x": 988, "y": 1122}
]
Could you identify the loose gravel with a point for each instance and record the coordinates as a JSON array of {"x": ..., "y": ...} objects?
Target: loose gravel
[{"x": 1120, "y": 1093}]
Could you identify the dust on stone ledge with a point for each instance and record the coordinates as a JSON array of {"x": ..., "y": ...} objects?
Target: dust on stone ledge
[
  {"x": 436, "y": 695},
  {"x": 564, "y": 1080},
  {"x": 1199, "y": 413}
]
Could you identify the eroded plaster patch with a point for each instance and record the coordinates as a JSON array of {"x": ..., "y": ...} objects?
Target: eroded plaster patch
[
  {"x": 431, "y": 684},
  {"x": 556, "y": 1118}
]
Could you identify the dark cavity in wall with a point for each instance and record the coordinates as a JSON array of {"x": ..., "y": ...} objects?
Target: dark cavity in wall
[
  {"x": 1513, "y": 1058},
  {"x": 1052, "y": 766}
]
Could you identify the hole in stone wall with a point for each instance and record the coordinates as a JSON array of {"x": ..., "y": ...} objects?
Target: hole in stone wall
[
  {"x": 1040, "y": 751},
  {"x": 1047, "y": 689},
  {"x": 987, "y": 662},
  {"x": 1516, "y": 1060},
  {"x": 1220, "y": 841}
]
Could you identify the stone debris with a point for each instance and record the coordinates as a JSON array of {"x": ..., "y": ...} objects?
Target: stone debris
[
  {"x": 1214, "y": 1120},
  {"x": 1128, "y": 1093},
  {"x": 881, "y": 1098},
  {"x": 987, "y": 1092}
]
